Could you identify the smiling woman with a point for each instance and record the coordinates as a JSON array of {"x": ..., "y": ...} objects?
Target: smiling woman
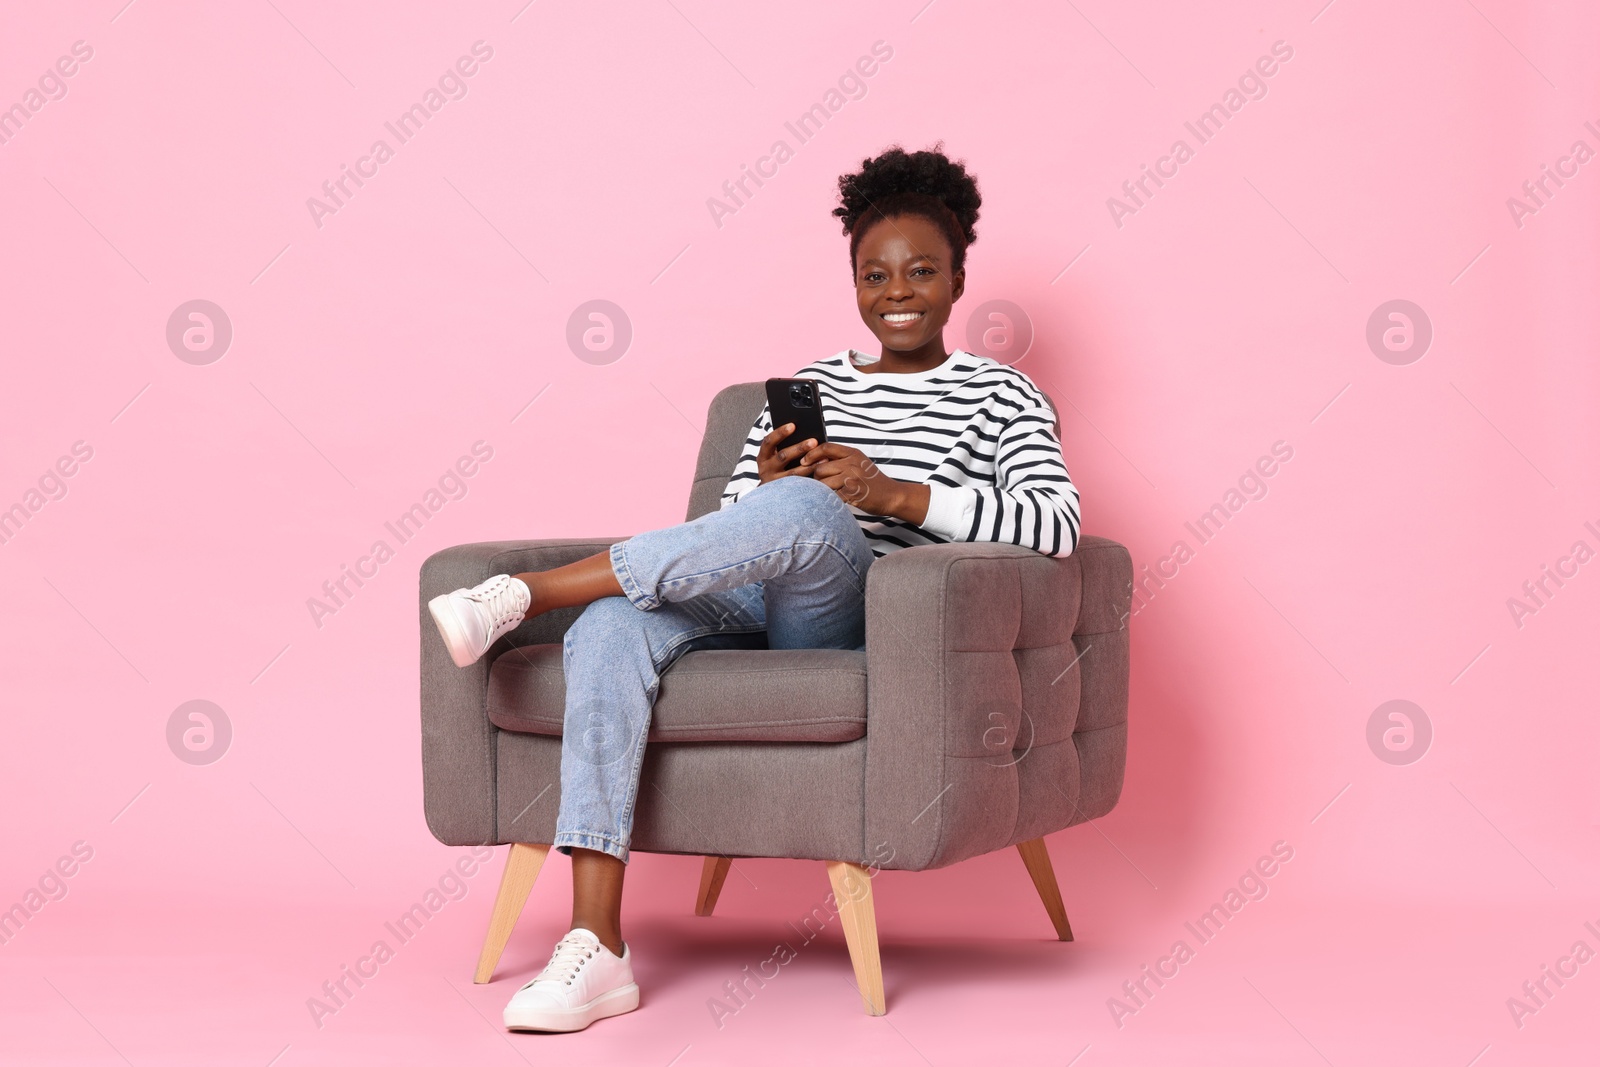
[{"x": 926, "y": 446}]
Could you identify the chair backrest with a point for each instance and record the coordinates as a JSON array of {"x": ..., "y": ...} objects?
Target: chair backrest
[{"x": 733, "y": 411}]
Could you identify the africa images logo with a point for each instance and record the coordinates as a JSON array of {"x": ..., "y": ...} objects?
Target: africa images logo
[{"x": 199, "y": 332}]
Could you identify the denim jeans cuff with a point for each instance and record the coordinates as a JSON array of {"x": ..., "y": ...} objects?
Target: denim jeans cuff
[
  {"x": 567, "y": 840},
  {"x": 631, "y": 589}
]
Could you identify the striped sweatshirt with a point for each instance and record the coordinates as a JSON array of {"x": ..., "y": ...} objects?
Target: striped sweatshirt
[{"x": 980, "y": 434}]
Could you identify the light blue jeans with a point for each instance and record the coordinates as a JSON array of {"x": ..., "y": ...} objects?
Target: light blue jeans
[{"x": 787, "y": 561}]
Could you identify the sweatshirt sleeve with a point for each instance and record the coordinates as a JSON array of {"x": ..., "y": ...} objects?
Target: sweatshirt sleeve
[
  {"x": 745, "y": 477},
  {"x": 1033, "y": 503}
]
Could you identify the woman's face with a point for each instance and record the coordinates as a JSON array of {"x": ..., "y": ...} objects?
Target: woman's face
[{"x": 904, "y": 285}]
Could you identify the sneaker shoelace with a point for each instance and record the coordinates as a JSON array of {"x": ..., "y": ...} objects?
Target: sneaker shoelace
[
  {"x": 566, "y": 961},
  {"x": 500, "y": 601}
]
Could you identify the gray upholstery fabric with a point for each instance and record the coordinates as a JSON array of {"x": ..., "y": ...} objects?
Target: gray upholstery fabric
[
  {"x": 795, "y": 801},
  {"x": 814, "y": 694},
  {"x": 960, "y": 724},
  {"x": 995, "y": 708},
  {"x": 733, "y": 412},
  {"x": 458, "y": 753},
  {"x": 1102, "y": 754}
]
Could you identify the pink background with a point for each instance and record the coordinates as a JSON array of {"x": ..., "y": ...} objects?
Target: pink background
[{"x": 1227, "y": 314}]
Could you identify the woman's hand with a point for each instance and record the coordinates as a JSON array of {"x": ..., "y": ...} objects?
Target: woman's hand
[
  {"x": 851, "y": 474},
  {"x": 770, "y": 461}
]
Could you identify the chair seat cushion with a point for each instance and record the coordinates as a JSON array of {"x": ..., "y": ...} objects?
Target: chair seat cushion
[{"x": 811, "y": 694}]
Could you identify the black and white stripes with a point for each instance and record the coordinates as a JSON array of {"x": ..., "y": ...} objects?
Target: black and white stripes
[{"x": 980, "y": 434}]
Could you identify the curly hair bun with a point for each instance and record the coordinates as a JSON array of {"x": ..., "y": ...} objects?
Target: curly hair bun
[{"x": 927, "y": 184}]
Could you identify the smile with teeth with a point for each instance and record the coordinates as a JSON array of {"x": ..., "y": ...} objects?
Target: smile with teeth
[{"x": 901, "y": 318}]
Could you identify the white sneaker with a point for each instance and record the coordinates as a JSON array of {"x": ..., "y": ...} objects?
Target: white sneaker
[
  {"x": 470, "y": 620},
  {"x": 582, "y": 982}
]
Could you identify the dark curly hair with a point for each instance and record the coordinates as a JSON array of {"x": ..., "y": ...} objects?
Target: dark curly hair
[{"x": 926, "y": 184}]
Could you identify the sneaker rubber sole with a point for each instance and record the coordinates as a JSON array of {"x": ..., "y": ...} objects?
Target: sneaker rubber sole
[
  {"x": 443, "y": 610},
  {"x": 616, "y": 1002}
]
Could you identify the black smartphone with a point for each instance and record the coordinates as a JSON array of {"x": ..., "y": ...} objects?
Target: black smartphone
[{"x": 796, "y": 400}]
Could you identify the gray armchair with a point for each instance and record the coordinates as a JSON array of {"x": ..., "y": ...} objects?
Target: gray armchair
[{"x": 988, "y": 710}]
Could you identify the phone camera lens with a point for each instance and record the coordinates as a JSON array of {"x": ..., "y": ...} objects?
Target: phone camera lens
[{"x": 800, "y": 395}]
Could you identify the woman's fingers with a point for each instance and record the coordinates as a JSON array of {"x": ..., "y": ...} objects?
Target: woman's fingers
[
  {"x": 830, "y": 450},
  {"x": 769, "y": 443},
  {"x": 794, "y": 450},
  {"x": 830, "y": 468},
  {"x": 769, "y": 453}
]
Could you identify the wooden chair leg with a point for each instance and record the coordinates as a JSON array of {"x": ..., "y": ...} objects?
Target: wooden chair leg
[
  {"x": 852, "y": 891},
  {"x": 522, "y": 868},
  {"x": 1037, "y": 858},
  {"x": 712, "y": 875}
]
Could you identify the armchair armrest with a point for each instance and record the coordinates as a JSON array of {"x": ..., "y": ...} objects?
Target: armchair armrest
[
  {"x": 458, "y": 749},
  {"x": 965, "y": 645}
]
